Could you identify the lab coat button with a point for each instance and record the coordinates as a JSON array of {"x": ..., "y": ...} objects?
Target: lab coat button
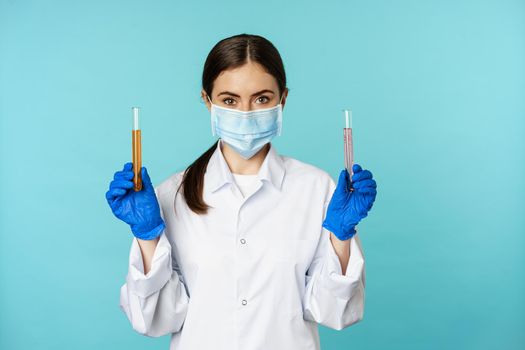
[
  {"x": 243, "y": 240},
  {"x": 244, "y": 302}
]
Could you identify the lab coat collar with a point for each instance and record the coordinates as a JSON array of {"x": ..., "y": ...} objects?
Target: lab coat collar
[{"x": 272, "y": 169}]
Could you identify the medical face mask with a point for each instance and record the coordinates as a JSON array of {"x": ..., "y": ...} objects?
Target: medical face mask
[{"x": 246, "y": 131}]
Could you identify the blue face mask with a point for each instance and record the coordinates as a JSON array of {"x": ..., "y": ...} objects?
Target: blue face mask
[{"x": 246, "y": 132}]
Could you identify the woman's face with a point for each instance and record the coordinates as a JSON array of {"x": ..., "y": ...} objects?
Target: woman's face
[{"x": 245, "y": 88}]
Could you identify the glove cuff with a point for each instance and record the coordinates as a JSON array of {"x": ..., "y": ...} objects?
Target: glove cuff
[
  {"x": 349, "y": 234},
  {"x": 342, "y": 234},
  {"x": 151, "y": 234}
]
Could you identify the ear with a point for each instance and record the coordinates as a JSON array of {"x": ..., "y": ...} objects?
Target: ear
[
  {"x": 285, "y": 95},
  {"x": 204, "y": 97}
]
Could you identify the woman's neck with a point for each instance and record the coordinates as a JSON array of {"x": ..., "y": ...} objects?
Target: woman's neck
[{"x": 239, "y": 165}]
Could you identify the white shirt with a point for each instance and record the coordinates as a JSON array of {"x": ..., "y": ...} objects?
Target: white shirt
[
  {"x": 256, "y": 272},
  {"x": 246, "y": 183}
]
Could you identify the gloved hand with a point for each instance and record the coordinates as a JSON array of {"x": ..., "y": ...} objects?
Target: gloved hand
[
  {"x": 140, "y": 210},
  {"x": 347, "y": 208}
]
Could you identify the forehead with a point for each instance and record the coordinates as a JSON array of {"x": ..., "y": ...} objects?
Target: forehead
[{"x": 245, "y": 80}]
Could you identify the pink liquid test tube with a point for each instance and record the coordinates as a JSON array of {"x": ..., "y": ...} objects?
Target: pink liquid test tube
[{"x": 348, "y": 143}]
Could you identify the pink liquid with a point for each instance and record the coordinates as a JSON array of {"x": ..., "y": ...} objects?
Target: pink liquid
[{"x": 349, "y": 151}]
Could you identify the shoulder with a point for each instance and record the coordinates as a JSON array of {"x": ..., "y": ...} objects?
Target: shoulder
[
  {"x": 308, "y": 174},
  {"x": 169, "y": 184}
]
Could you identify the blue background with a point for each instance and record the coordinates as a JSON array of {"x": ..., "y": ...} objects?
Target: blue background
[{"x": 437, "y": 91}]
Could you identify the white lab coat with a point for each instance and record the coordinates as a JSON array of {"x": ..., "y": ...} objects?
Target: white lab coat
[{"x": 254, "y": 273}]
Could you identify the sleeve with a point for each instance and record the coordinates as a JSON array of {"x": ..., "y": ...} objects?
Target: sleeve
[
  {"x": 331, "y": 298},
  {"x": 155, "y": 303}
]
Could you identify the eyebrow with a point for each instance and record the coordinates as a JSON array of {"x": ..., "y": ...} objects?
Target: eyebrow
[{"x": 232, "y": 94}]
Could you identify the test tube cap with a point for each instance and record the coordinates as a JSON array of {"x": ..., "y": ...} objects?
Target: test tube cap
[
  {"x": 135, "y": 112},
  {"x": 348, "y": 117}
]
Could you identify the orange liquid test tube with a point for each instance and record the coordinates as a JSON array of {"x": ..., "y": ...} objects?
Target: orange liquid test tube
[{"x": 136, "y": 145}]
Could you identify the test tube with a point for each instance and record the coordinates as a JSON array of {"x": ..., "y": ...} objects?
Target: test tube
[
  {"x": 136, "y": 150},
  {"x": 348, "y": 144}
]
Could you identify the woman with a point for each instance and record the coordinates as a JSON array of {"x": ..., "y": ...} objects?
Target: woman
[{"x": 258, "y": 248}]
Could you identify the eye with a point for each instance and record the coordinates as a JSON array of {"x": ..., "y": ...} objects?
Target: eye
[
  {"x": 228, "y": 99},
  {"x": 265, "y": 98}
]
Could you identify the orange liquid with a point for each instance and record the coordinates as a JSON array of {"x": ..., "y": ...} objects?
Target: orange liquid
[{"x": 137, "y": 159}]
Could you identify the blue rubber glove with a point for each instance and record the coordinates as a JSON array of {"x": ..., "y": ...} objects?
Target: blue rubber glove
[
  {"x": 140, "y": 210},
  {"x": 347, "y": 208}
]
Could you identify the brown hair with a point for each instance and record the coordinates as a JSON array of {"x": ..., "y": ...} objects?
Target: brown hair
[{"x": 228, "y": 53}]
